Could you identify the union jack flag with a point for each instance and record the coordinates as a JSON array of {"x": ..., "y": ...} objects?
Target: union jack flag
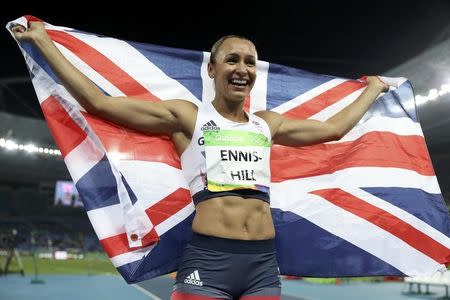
[{"x": 368, "y": 204}]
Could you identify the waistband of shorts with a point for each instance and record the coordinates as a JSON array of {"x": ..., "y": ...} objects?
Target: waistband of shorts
[{"x": 232, "y": 245}]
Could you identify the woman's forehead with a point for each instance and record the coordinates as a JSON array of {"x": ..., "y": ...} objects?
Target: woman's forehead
[{"x": 237, "y": 45}]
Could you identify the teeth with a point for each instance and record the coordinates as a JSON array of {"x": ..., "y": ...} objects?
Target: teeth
[{"x": 238, "y": 81}]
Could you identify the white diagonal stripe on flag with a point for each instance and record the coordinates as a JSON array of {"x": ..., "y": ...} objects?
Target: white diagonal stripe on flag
[
  {"x": 108, "y": 221},
  {"x": 398, "y": 126},
  {"x": 93, "y": 75},
  {"x": 174, "y": 219},
  {"x": 129, "y": 257},
  {"x": 331, "y": 110}
]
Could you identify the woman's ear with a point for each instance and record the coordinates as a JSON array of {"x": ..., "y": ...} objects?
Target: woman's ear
[{"x": 210, "y": 71}]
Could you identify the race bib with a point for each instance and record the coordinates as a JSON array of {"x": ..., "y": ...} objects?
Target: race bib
[{"x": 237, "y": 160}]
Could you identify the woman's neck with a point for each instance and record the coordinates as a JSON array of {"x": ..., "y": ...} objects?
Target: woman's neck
[{"x": 233, "y": 111}]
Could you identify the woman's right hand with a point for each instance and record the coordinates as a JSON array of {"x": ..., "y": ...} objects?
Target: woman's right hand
[{"x": 34, "y": 31}]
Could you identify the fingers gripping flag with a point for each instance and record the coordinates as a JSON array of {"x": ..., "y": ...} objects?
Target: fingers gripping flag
[{"x": 368, "y": 204}]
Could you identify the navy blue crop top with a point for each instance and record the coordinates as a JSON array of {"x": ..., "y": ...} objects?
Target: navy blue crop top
[{"x": 206, "y": 194}]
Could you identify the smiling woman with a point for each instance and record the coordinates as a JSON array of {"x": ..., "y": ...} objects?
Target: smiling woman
[{"x": 225, "y": 157}]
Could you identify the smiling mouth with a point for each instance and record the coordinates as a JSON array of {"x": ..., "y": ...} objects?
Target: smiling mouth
[{"x": 238, "y": 82}]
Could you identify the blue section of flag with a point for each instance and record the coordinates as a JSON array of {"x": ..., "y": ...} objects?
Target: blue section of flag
[
  {"x": 98, "y": 188},
  {"x": 285, "y": 83},
  {"x": 179, "y": 64},
  {"x": 37, "y": 57},
  {"x": 315, "y": 252},
  {"x": 131, "y": 194}
]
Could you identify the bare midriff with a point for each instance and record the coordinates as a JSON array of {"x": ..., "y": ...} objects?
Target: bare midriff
[{"x": 234, "y": 217}]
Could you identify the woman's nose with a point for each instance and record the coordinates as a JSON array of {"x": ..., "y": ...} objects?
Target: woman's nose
[{"x": 241, "y": 67}]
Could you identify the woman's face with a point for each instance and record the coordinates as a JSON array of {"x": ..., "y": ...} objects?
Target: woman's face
[{"x": 234, "y": 70}]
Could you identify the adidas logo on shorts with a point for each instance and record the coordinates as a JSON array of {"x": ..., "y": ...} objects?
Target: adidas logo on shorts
[
  {"x": 211, "y": 125},
  {"x": 194, "y": 278}
]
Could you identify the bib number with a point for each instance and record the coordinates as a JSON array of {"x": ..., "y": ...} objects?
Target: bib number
[{"x": 237, "y": 160}]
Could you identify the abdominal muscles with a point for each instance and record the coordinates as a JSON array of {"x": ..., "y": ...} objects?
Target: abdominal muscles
[{"x": 234, "y": 217}]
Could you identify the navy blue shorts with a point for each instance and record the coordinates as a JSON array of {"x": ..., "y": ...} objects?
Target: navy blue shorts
[{"x": 218, "y": 268}]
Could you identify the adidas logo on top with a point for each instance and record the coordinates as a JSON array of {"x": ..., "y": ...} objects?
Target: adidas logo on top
[
  {"x": 194, "y": 278},
  {"x": 211, "y": 125}
]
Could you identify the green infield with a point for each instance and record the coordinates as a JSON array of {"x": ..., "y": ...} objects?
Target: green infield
[{"x": 91, "y": 264}]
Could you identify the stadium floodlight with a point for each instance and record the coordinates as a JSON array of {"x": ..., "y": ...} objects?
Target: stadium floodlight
[
  {"x": 433, "y": 94},
  {"x": 29, "y": 148},
  {"x": 11, "y": 145}
]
